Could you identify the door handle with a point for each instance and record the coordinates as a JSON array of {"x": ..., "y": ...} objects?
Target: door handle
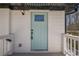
[{"x": 31, "y": 34}]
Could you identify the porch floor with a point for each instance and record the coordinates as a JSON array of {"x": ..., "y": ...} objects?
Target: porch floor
[{"x": 37, "y": 54}]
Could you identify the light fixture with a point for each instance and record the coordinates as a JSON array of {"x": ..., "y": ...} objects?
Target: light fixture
[{"x": 23, "y": 12}]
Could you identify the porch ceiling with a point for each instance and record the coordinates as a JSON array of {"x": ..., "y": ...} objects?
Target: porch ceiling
[
  {"x": 43, "y": 6},
  {"x": 68, "y": 7}
]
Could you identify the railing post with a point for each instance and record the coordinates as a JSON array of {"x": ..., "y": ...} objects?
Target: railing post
[
  {"x": 78, "y": 47},
  {"x": 68, "y": 45},
  {"x": 71, "y": 46},
  {"x": 74, "y": 48},
  {"x": 64, "y": 44}
]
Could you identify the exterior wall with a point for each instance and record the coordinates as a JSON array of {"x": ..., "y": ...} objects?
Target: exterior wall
[
  {"x": 4, "y": 21},
  {"x": 1, "y": 47},
  {"x": 4, "y": 31},
  {"x": 21, "y": 26},
  {"x": 56, "y": 27}
]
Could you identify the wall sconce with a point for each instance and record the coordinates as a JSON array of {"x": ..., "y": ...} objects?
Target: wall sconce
[{"x": 22, "y": 12}]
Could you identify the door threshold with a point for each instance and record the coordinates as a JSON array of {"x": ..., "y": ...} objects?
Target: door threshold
[{"x": 38, "y": 52}]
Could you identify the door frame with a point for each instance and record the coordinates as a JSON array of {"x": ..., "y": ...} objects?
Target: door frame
[{"x": 47, "y": 29}]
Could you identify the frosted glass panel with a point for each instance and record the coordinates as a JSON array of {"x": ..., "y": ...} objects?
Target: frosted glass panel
[{"x": 39, "y": 17}]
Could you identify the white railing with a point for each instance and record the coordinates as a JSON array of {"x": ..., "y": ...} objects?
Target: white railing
[
  {"x": 71, "y": 45},
  {"x": 6, "y": 47}
]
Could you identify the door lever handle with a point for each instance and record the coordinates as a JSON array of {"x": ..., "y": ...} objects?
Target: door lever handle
[{"x": 31, "y": 34}]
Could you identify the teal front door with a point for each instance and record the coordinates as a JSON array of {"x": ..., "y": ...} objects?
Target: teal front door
[{"x": 39, "y": 32}]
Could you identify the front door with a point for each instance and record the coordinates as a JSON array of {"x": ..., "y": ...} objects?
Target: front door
[{"x": 39, "y": 32}]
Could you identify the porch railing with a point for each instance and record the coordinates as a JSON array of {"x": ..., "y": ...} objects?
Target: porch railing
[
  {"x": 6, "y": 44},
  {"x": 71, "y": 45}
]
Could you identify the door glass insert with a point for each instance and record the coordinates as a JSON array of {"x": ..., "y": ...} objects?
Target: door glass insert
[{"x": 39, "y": 17}]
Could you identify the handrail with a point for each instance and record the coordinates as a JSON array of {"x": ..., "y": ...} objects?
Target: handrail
[{"x": 72, "y": 36}]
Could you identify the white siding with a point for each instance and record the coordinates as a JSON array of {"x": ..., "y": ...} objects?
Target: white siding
[
  {"x": 21, "y": 29},
  {"x": 56, "y": 26},
  {"x": 1, "y": 47},
  {"x": 21, "y": 26},
  {"x": 4, "y": 21}
]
